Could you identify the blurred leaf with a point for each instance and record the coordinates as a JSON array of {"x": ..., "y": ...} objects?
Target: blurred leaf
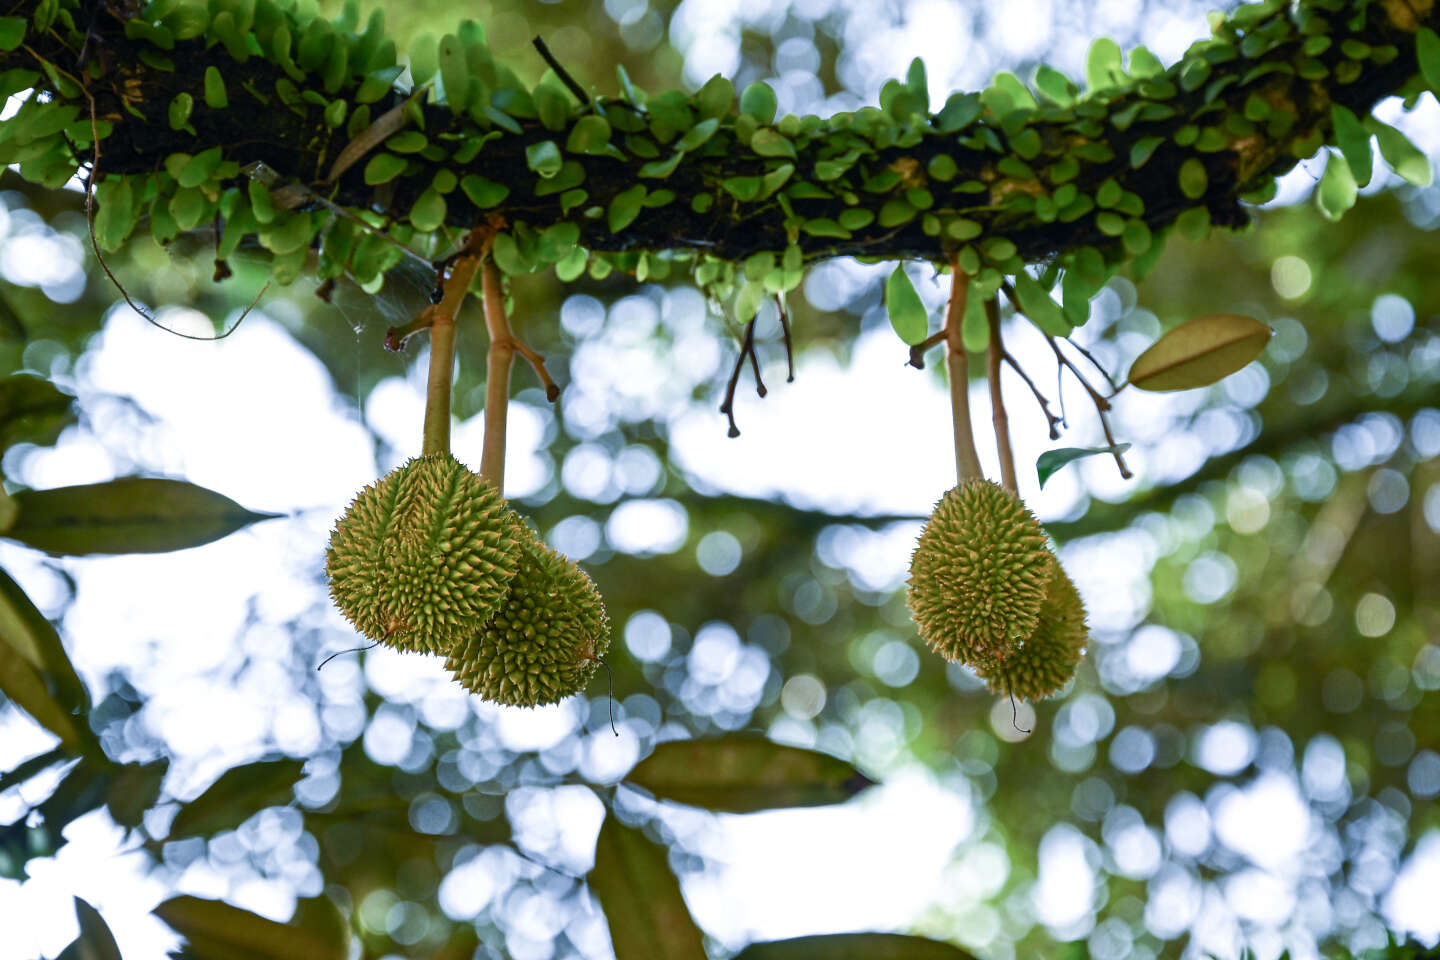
[
  {"x": 1039, "y": 307},
  {"x": 133, "y": 790},
  {"x": 31, "y": 767},
  {"x": 11, "y": 327},
  {"x": 95, "y": 942},
  {"x": 24, "y": 628},
  {"x": 32, "y": 410},
  {"x": 742, "y": 774},
  {"x": 641, "y": 898},
  {"x": 218, "y": 931},
  {"x": 854, "y": 946},
  {"x": 1052, "y": 460},
  {"x": 26, "y": 687},
  {"x": 1337, "y": 189},
  {"x": 1354, "y": 142},
  {"x": 1200, "y": 352},
  {"x": 128, "y": 515},
  {"x": 238, "y": 794},
  {"x": 1407, "y": 160},
  {"x": 323, "y": 920},
  {"x": 907, "y": 311}
]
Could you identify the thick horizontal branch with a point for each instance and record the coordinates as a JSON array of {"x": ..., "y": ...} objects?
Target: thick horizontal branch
[{"x": 1013, "y": 178}]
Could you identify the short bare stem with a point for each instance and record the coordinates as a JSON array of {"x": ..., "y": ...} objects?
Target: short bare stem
[
  {"x": 498, "y": 361},
  {"x": 917, "y": 352},
  {"x": 1102, "y": 405},
  {"x": 1051, "y": 418},
  {"x": 967, "y": 461},
  {"x": 997, "y": 401},
  {"x": 442, "y": 353}
]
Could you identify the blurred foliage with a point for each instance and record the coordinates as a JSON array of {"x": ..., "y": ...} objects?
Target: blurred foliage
[{"x": 1269, "y": 620}]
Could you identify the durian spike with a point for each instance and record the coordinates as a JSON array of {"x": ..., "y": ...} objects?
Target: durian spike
[
  {"x": 1047, "y": 659},
  {"x": 967, "y": 462}
]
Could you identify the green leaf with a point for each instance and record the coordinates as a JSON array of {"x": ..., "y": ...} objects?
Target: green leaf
[
  {"x": 703, "y": 131},
  {"x": 1337, "y": 189},
  {"x": 625, "y": 207},
  {"x": 200, "y": 168},
  {"x": 589, "y": 134},
  {"x": 1055, "y": 86},
  {"x": 215, "y": 928},
  {"x": 1102, "y": 65},
  {"x": 907, "y": 311},
  {"x": 742, "y": 774},
  {"x": 1142, "y": 149},
  {"x": 1052, "y": 460},
  {"x": 772, "y": 143},
  {"x": 482, "y": 191},
  {"x": 854, "y": 946},
  {"x": 1404, "y": 157},
  {"x": 32, "y": 410},
  {"x": 1193, "y": 178},
  {"x": 12, "y": 32},
  {"x": 128, "y": 515},
  {"x": 383, "y": 167},
  {"x": 1427, "y": 51},
  {"x": 95, "y": 942},
  {"x": 544, "y": 158},
  {"x": 759, "y": 101},
  {"x": 641, "y": 898},
  {"x": 825, "y": 227},
  {"x": 26, "y": 688},
  {"x": 236, "y": 796},
  {"x": 660, "y": 169},
  {"x": 215, "y": 96},
  {"x": 715, "y": 98},
  {"x": 1354, "y": 142},
  {"x": 133, "y": 789},
  {"x": 180, "y": 109},
  {"x": 26, "y": 631},
  {"x": 428, "y": 213},
  {"x": 1037, "y": 304},
  {"x": 1200, "y": 352}
]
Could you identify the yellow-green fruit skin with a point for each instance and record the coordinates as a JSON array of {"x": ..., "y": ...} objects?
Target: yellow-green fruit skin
[
  {"x": 423, "y": 556},
  {"x": 978, "y": 574},
  {"x": 545, "y": 641},
  {"x": 1047, "y": 659}
]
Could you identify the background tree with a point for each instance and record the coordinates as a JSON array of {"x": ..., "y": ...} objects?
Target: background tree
[{"x": 1262, "y": 628}]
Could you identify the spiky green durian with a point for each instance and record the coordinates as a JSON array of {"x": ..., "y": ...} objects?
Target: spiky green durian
[
  {"x": 978, "y": 574},
  {"x": 1047, "y": 659},
  {"x": 545, "y": 641},
  {"x": 423, "y": 556}
]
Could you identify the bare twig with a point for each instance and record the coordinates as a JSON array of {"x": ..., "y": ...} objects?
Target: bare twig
[
  {"x": 998, "y": 415},
  {"x": 747, "y": 348},
  {"x": 1102, "y": 406},
  {"x": 967, "y": 461},
  {"x": 917, "y": 352},
  {"x": 1096, "y": 364},
  {"x": 561, "y": 72},
  {"x": 1052, "y": 419},
  {"x": 785, "y": 332},
  {"x": 552, "y": 390},
  {"x": 395, "y": 337}
]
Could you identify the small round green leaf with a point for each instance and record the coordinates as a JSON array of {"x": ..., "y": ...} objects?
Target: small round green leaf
[
  {"x": 1193, "y": 178},
  {"x": 907, "y": 311},
  {"x": 544, "y": 158},
  {"x": 759, "y": 101},
  {"x": 383, "y": 167}
]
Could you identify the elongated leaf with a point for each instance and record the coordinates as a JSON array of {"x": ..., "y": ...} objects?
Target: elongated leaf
[
  {"x": 31, "y": 767},
  {"x": 1038, "y": 305},
  {"x": 95, "y": 942},
  {"x": 217, "y": 930},
  {"x": 1406, "y": 159},
  {"x": 32, "y": 410},
  {"x": 854, "y": 946},
  {"x": 238, "y": 793},
  {"x": 742, "y": 774},
  {"x": 25, "y": 685},
  {"x": 128, "y": 515},
  {"x": 24, "y": 627},
  {"x": 1337, "y": 189},
  {"x": 641, "y": 898},
  {"x": 1199, "y": 352},
  {"x": 1427, "y": 52},
  {"x": 907, "y": 311},
  {"x": 1052, "y": 460},
  {"x": 1354, "y": 142}
]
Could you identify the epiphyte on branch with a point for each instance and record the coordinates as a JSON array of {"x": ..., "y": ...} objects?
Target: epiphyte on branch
[
  {"x": 979, "y": 573},
  {"x": 423, "y": 556},
  {"x": 1046, "y": 660},
  {"x": 545, "y": 641}
]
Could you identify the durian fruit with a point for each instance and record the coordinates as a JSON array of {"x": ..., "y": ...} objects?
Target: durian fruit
[
  {"x": 978, "y": 574},
  {"x": 1047, "y": 659},
  {"x": 423, "y": 556},
  {"x": 545, "y": 641}
]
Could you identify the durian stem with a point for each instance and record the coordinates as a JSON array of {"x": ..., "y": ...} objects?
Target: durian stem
[
  {"x": 442, "y": 355},
  {"x": 967, "y": 462},
  {"x": 498, "y": 360},
  {"x": 997, "y": 400}
]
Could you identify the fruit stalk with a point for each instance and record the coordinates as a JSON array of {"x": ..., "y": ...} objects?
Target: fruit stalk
[
  {"x": 967, "y": 462},
  {"x": 999, "y": 418},
  {"x": 442, "y": 356},
  {"x": 497, "y": 378}
]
